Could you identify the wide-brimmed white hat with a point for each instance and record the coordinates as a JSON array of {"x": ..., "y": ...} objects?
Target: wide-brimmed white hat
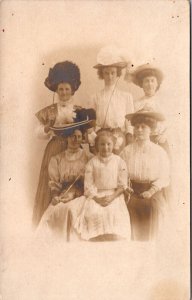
[{"x": 111, "y": 56}]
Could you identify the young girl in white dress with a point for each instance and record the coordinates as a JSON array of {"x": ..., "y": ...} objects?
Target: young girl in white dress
[{"x": 104, "y": 215}]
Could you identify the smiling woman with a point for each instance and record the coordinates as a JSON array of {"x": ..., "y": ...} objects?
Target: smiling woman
[{"x": 64, "y": 79}]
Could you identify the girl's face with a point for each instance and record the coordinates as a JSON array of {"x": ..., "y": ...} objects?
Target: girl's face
[
  {"x": 105, "y": 146},
  {"x": 142, "y": 131},
  {"x": 150, "y": 85},
  {"x": 74, "y": 141},
  {"x": 109, "y": 75},
  {"x": 64, "y": 92}
]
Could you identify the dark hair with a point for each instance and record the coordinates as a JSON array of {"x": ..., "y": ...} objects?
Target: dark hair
[
  {"x": 138, "y": 119},
  {"x": 101, "y": 133},
  {"x": 147, "y": 73},
  {"x": 100, "y": 71}
]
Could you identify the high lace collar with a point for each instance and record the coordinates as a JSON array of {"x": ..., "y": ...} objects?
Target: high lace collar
[
  {"x": 67, "y": 103},
  {"x": 73, "y": 155}
]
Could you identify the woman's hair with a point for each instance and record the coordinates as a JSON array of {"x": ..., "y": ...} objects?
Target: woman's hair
[
  {"x": 147, "y": 73},
  {"x": 152, "y": 123},
  {"x": 100, "y": 72},
  {"x": 103, "y": 133}
]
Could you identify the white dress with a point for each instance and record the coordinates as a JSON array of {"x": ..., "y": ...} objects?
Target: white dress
[
  {"x": 102, "y": 177},
  {"x": 64, "y": 168},
  {"x": 112, "y": 105}
]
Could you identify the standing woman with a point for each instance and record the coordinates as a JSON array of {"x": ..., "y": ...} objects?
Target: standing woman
[
  {"x": 148, "y": 169},
  {"x": 110, "y": 103},
  {"x": 149, "y": 78},
  {"x": 63, "y": 79}
]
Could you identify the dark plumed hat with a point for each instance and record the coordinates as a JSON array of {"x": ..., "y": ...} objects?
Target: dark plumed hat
[{"x": 63, "y": 72}]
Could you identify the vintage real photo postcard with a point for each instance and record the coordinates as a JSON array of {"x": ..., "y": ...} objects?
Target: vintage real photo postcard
[{"x": 95, "y": 176}]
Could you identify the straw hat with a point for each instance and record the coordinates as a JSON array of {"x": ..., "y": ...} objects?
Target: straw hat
[
  {"x": 85, "y": 119},
  {"x": 110, "y": 56},
  {"x": 146, "y": 70},
  {"x": 150, "y": 113}
]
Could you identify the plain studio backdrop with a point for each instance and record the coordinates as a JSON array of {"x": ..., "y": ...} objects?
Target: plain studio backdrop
[{"x": 34, "y": 36}]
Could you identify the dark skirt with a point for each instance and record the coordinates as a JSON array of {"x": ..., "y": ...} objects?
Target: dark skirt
[
  {"x": 43, "y": 194},
  {"x": 145, "y": 214}
]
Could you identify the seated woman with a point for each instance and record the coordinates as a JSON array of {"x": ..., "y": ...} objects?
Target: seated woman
[
  {"x": 104, "y": 215},
  {"x": 64, "y": 80},
  {"x": 150, "y": 78},
  {"x": 66, "y": 182},
  {"x": 148, "y": 169}
]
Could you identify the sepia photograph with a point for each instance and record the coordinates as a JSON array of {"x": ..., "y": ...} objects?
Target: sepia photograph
[{"x": 95, "y": 150}]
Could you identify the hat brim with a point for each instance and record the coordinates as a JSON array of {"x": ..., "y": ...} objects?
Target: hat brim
[
  {"x": 119, "y": 65},
  {"x": 138, "y": 73},
  {"x": 68, "y": 129},
  {"x": 155, "y": 115}
]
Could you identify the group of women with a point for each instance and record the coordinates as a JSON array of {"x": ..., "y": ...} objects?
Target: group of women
[{"x": 105, "y": 170}]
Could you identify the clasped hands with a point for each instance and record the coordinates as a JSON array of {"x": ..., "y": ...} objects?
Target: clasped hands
[{"x": 104, "y": 201}]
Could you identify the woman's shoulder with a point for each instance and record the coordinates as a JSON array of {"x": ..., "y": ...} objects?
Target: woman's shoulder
[{"x": 43, "y": 114}]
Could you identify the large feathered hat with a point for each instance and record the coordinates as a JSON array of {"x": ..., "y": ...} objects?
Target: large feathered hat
[
  {"x": 67, "y": 72},
  {"x": 110, "y": 56}
]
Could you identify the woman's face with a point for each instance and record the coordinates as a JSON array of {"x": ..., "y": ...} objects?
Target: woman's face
[
  {"x": 142, "y": 131},
  {"x": 74, "y": 141},
  {"x": 109, "y": 75},
  {"x": 105, "y": 146},
  {"x": 150, "y": 85},
  {"x": 64, "y": 92}
]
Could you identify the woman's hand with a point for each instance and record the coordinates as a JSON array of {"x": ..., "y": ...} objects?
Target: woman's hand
[
  {"x": 55, "y": 200},
  {"x": 129, "y": 191},
  {"x": 67, "y": 198},
  {"x": 104, "y": 201},
  {"x": 146, "y": 195}
]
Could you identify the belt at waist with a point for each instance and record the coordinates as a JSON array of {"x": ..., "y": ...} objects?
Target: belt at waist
[{"x": 140, "y": 187}]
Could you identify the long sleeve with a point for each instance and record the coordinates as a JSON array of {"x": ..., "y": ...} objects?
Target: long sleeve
[
  {"x": 54, "y": 175},
  {"x": 40, "y": 133},
  {"x": 164, "y": 171},
  {"x": 129, "y": 110},
  {"x": 89, "y": 186}
]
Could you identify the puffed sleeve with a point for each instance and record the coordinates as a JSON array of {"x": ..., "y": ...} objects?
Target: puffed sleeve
[
  {"x": 164, "y": 170},
  {"x": 54, "y": 175},
  {"x": 122, "y": 174},
  {"x": 89, "y": 186},
  {"x": 129, "y": 110}
]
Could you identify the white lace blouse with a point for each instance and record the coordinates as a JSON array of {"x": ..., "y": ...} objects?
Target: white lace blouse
[
  {"x": 148, "y": 162},
  {"x": 111, "y": 106}
]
